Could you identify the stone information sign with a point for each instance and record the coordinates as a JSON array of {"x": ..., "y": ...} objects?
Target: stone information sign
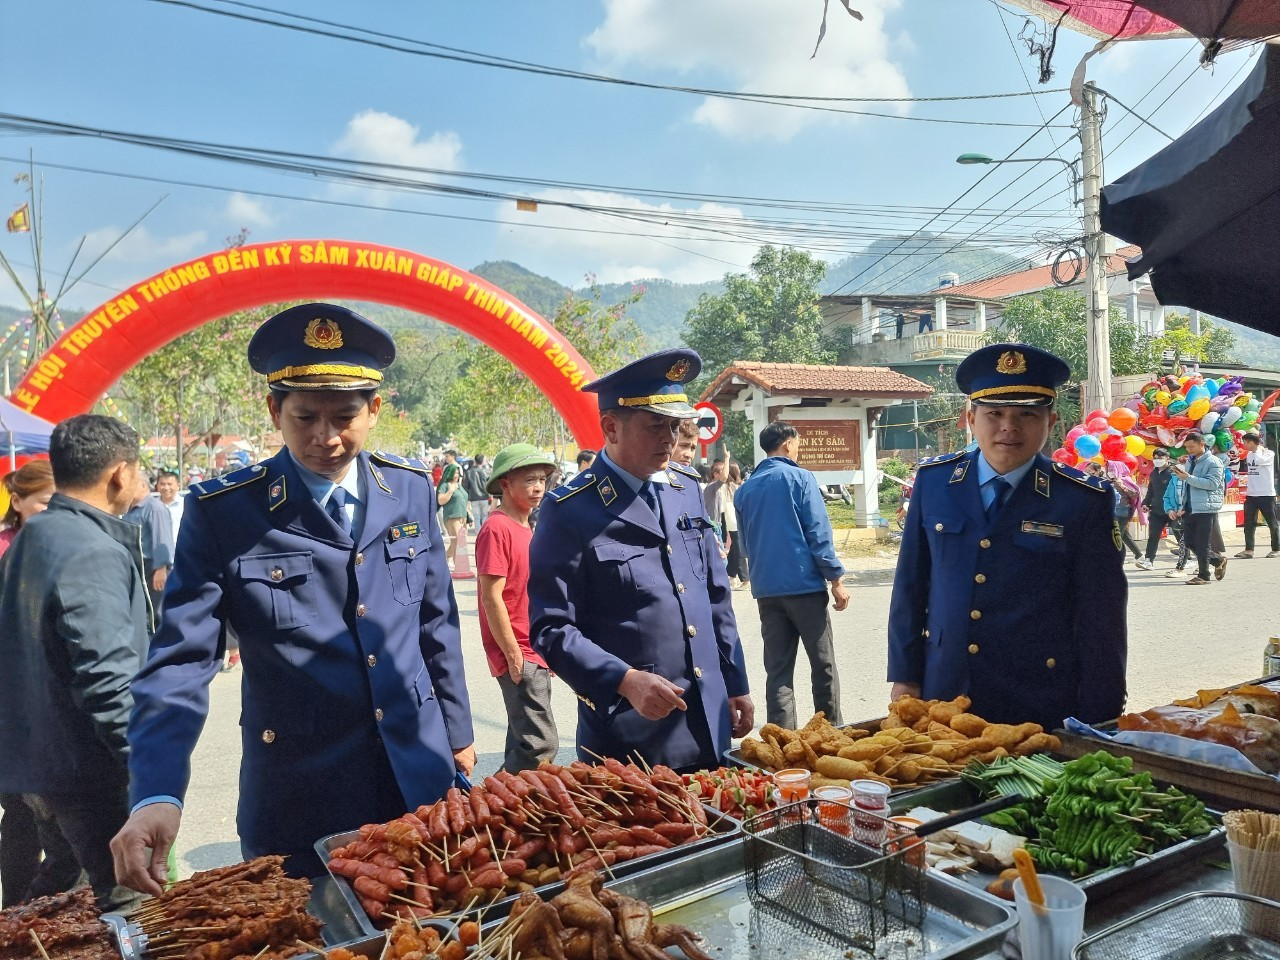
[{"x": 829, "y": 444}]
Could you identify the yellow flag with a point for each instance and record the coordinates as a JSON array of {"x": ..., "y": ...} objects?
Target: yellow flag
[{"x": 20, "y": 222}]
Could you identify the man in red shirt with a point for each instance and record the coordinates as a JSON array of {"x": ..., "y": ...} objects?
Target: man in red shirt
[{"x": 520, "y": 474}]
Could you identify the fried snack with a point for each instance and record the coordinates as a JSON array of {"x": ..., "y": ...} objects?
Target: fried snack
[
  {"x": 866, "y": 751},
  {"x": 810, "y": 757},
  {"x": 851, "y": 733},
  {"x": 1026, "y": 730},
  {"x": 892, "y": 721},
  {"x": 947, "y": 750},
  {"x": 906, "y": 771},
  {"x": 991, "y": 756},
  {"x": 818, "y": 722},
  {"x": 901, "y": 734},
  {"x": 943, "y": 712},
  {"x": 838, "y": 768},
  {"x": 921, "y": 744},
  {"x": 818, "y": 780},
  {"x": 940, "y": 731},
  {"x": 765, "y": 755},
  {"x": 969, "y": 724},
  {"x": 781, "y": 735},
  {"x": 1037, "y": 743},
  {"x": 909, "y": 709},
  {"x": 922, "y": 725},
  {"x": 974, "y": 745},
  {"x": 1004, "y": 734}
]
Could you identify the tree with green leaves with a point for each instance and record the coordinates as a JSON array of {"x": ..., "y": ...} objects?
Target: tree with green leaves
[
  {"x": 1212, "y": 345},
  {"x": 491, "y": 404},
  {"x": 769, "y": 314}
]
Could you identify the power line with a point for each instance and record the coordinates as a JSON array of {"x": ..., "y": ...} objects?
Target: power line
[{"x": 334, "y": 30}]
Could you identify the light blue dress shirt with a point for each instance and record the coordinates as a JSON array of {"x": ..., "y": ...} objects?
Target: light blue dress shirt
[{"x": 987, "y": 472}]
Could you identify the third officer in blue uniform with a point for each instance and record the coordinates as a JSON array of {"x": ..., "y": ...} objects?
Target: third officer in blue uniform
[
  {"x": 629, "y": 599},
  {"x": 327, "y": 562},
  {"x": 1010, "y": 585}
]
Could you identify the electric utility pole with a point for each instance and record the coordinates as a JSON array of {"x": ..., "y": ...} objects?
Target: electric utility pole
[{"x": 1098, "y": 305}]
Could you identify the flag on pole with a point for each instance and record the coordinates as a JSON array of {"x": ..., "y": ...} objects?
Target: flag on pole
[{"x": 20, "y": 222}]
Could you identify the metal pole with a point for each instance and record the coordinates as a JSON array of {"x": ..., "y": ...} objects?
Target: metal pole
[
  {"x": 915, "y": 416},
  {"x": 1098, "y": 385}
]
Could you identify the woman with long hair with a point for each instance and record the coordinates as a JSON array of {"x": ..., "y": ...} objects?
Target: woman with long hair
[
  {"x": 1128, "y": 497},
  {"x": 735, "y": 562},
  {"x": 29, "y": 488},
  {"x": 23, "y": 836}
]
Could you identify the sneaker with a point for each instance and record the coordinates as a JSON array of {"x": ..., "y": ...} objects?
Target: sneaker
[
  {"x": 1273, "y": 553},
  {"x": 1196, "y": 582},
  {"x": 1144, "y": 564},
  {"x": 1174, "y": 573},
  {"x": 1175, "y": 549},
  {"x": 1244, "y": 555},
  {"x": 1220, "y": 570},
  {"x": 230, "y": 661}
]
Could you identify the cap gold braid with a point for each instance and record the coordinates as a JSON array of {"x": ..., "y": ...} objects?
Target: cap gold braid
[
  {"x": 320, "y": 369},
  {"x": 1013, "y": 388},
  {"x": 658, "y": 398}
]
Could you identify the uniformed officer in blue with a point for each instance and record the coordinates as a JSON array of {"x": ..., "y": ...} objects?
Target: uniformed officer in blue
[
  {"x": 629, "y": 599},
  {"x": 328, "y": 564},
  {"x": 1010, "y": 585}
]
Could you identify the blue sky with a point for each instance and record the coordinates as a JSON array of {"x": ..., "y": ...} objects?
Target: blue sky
[{"x": 161, "y": 69}]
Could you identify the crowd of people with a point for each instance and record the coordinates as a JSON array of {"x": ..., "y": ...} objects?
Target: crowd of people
[{"x": 332, "y": 566}]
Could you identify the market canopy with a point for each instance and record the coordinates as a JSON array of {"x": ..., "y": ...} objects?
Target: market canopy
[
  {"x": 1206, "y": 208},
  {"x": 22, "y": 433}
]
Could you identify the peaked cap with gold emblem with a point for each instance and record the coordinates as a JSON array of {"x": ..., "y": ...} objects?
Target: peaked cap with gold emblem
[
  {"x": 1012, "y": 375},
  {"x": 654, "y": 383},
  {"x": 321, "y": 346}
]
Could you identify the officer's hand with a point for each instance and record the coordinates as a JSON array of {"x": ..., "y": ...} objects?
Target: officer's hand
[
  {"x": 900, "y": 690},
  {"x": 839, "y": 594},
  {"x": 465, "y": 759},
  {"x": 515, "y": 668},
  {"x": 141, "y": 848},
  {"x": 159, "y": 577},
  {"x": 653, "y": 697},
  {"x": 742, "y": 714}
]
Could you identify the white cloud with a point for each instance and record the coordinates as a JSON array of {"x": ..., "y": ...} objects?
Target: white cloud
[
  {"x": 622, "y": 249},
  {"x": 245, "y": 211},
  {"x": 757, "y": 46},
  {"x": 141, "y": 246},
  {"x": 384, "y": 138}
]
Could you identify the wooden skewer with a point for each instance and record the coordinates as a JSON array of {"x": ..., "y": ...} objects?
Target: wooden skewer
[
  {"x": 310, "y": 946},
  {"x": 592, "y": 752},
  {"x": 396, "y": 896},
  {"x": 261, "y": 952},
  {"x": 39, "y": 946},
  {"x": 603, "y": 862}
]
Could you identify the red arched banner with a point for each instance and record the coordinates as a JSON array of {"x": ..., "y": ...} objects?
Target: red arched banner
[{"x": 112, "y": 338}]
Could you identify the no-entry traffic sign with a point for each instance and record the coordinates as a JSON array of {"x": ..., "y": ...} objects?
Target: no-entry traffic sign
[{"x": 710, "y": 422}]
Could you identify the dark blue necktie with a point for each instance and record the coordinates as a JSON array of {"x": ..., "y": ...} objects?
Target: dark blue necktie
[
  {"x": 649, "y": 494},
  {"x": 337, "y": 509},
  {"x": 1001, "y": 488}
]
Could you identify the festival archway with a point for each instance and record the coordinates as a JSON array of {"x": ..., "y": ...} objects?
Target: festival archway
[{"x": 97, "y": 351}]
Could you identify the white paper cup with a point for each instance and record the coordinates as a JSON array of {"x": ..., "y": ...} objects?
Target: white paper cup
[{"x": 1052, "y": 931}]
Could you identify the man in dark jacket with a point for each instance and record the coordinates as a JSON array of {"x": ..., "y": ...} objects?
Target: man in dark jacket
[
  {"x": 1157, "y": 483},
  {"x": 73, "y": 632}
]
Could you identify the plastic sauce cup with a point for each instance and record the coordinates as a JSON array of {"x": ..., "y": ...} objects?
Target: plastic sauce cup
[
  {"x": 870, "y": 794},
  {"x": 914, "y": 846},
  {"x": 792, "y": 784},
  {"x": 833, "y": 807}
]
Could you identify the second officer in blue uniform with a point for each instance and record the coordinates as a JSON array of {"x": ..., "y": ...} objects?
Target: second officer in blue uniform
[
  {"x": 328, "y": 564},
  {"x": 1010, "y": 585},
  {"x": 629, "y": 599}
]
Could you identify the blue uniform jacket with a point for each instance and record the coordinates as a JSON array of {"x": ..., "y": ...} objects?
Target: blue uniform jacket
[
  {"x": 611, "y": 589},
  {"x": 340, "y": 647},
  {"x": 1026, "y": 614}
]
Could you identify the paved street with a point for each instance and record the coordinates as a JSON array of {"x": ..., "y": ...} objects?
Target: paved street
[{"x": 1180, "y": 640}]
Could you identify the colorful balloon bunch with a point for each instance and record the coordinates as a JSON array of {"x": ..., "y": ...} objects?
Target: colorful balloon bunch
[{"x": 1160, "y": 416}]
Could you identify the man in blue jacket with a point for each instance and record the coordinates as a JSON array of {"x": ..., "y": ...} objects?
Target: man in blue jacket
[
  {"x": 629, "y": 600},
  {"x": 1204, "y": 488},
  {"x": 1010, "y": 586},
  {"x": 783, "y": 522},
  {"x": 328, "y": 564}
]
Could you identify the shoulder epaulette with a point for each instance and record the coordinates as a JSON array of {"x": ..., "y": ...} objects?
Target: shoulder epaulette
[
  {"x": 941, "y": 458},
  {"x": 582, "y": 481},
  {"x": 1071, "y": 473},
  {"x": 681, "y": 468},
  {"x": 238, "y": 478},
  {"x": 406, "y": 463}
]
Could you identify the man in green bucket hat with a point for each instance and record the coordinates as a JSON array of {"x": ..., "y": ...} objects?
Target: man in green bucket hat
[{"x": 520, "y": 475}]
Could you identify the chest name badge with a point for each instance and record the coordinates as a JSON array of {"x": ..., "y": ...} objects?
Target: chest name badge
[
  {"x": 1043, "y": 529},
  {"x": 413, "y": 529}
]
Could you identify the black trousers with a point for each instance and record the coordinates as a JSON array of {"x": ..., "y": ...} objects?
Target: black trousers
[
  {"x": 88, "y": 821},
  {"x": 1156, "y": 523},
  {"x": 784, "y": 623},
  {"x": 1267, "y": 507},
  {"x": 1198, "y": 530},
  {"x": 23, "y": 838}
]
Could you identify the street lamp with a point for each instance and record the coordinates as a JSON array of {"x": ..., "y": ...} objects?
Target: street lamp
[{"x": 969, "y": 159}]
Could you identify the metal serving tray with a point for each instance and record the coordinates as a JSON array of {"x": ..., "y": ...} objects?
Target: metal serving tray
[
  {"x": 956, "y": 794},
  {"x": 723, "y": 828},
  {"x": 707, "y": 893}
]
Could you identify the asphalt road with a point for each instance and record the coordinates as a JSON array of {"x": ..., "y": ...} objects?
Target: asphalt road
[{"x": 1181, "y": 640}]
